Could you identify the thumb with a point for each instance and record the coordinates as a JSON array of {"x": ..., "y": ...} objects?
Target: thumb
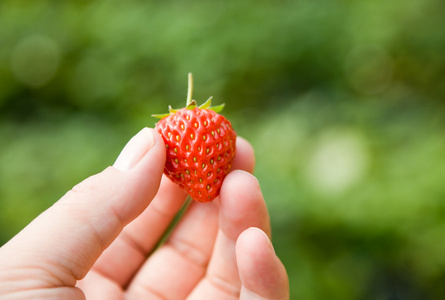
[{"x": 63, "y": 243}]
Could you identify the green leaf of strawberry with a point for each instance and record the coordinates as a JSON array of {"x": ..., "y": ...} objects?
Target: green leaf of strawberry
[{"x": 201, "y": 146}]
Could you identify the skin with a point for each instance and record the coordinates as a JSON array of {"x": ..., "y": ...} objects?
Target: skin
[{"x": 98, "y": 241}]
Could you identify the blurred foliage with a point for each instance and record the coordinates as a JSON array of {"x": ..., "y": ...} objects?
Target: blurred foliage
[{"x": 342, "y": 100}]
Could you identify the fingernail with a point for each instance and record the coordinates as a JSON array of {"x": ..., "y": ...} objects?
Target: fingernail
[
  {"x": 249, "y": 175},
  {"x": 267, "y": 240},
  {"x": 135, "y": 149}
]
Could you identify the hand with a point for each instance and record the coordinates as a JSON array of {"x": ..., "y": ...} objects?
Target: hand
[{"x": 98, "y": 241}]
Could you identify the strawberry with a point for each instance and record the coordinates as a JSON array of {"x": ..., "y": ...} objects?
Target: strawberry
[{"x": 200, "y": 146}]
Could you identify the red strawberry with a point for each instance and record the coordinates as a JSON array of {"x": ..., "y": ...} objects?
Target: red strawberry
[{"x": 200, "y": 147}]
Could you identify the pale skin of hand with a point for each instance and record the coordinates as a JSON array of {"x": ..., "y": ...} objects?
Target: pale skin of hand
[{"x": 97, "y": 241}]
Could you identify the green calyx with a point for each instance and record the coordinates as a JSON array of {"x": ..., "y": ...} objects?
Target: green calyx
[{"x": 191, "y": 104}]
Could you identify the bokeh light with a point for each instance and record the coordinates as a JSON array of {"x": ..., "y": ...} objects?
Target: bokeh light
[{"x": 34, "y": 60}]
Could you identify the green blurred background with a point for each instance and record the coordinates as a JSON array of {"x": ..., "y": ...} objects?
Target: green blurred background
[{"x": 342, "y": 100}]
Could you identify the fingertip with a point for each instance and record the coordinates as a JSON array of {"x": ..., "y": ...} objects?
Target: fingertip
[
  {"x": 245, "y": 156},
  {"x": 242, "y": 204},
  {"x": 253, "y": 235},
  {"x": 134, "y": 150},
  {"x": 144, "y": 178},
  {"x": 153, "y": 159},
  {"x": 252, "y": 244},
  {"x": 240, "y": 177},
  {"x": 261, "y": 271}
]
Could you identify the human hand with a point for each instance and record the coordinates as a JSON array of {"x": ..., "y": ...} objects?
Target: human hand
[{"x": 98, "y": 241}]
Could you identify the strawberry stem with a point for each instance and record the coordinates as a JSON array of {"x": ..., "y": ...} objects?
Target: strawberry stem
[
  {"x": 190, "y": 89},
  {"x": 191, "y": 104}
]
